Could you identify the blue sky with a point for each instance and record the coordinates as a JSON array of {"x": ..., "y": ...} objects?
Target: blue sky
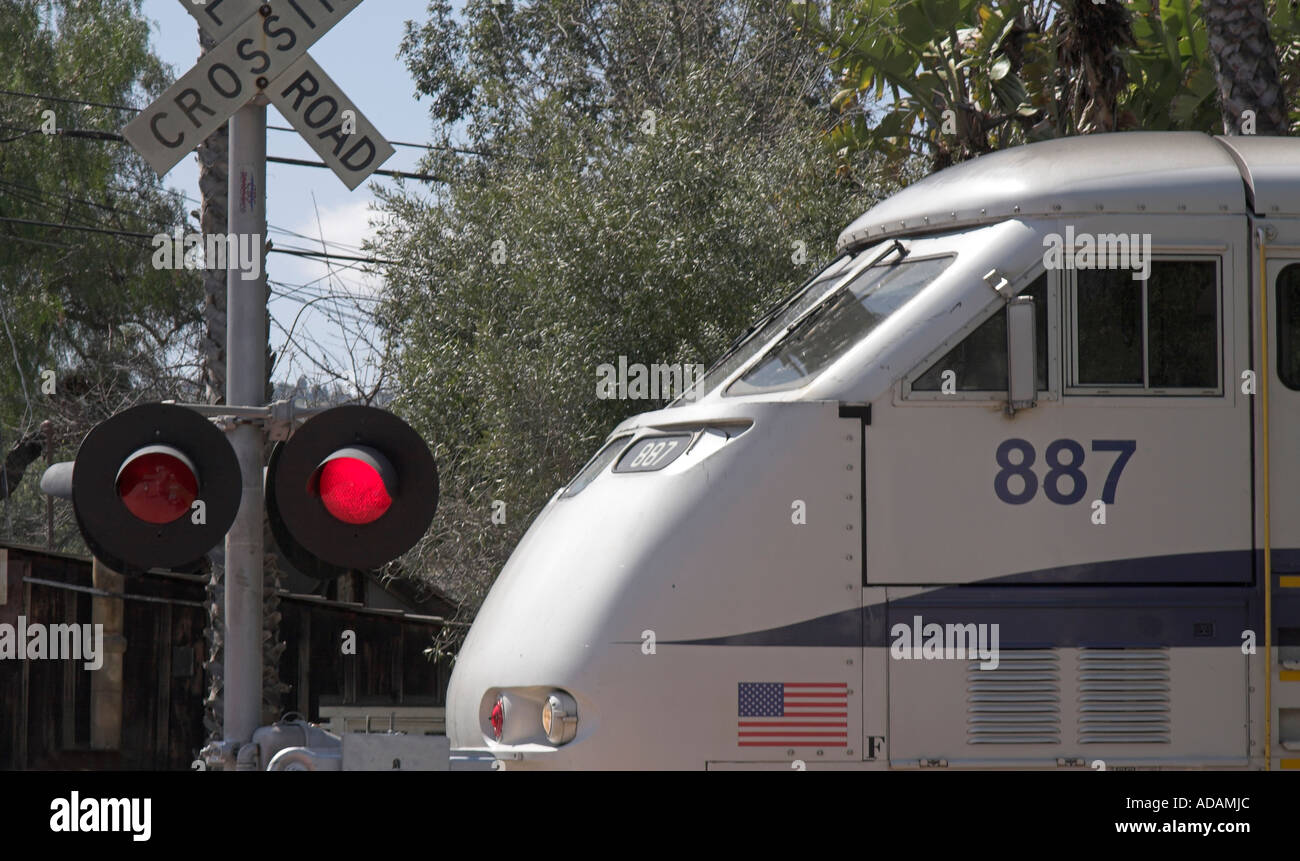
[{"x": 360, "y": 54}]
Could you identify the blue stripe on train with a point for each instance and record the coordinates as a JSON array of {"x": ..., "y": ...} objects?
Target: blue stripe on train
[{"x": 1056, "y": 612}]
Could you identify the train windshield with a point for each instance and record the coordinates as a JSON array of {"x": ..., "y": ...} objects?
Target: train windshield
[
  {"x": 843, "y": 319},
  {"x": 767, "y": 327}
]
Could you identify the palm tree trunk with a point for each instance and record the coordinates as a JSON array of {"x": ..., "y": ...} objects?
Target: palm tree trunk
[
  {"x": 1245, "y": 65},
  {"x": 214, "y": 169},
  {"x": 1091, "y": 41}
]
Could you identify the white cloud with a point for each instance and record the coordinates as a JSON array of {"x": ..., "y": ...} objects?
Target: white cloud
[{"x": 345, "y": 226}]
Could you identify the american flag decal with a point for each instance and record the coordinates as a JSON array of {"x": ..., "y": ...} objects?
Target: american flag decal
[{"x": 793, "y": 714}]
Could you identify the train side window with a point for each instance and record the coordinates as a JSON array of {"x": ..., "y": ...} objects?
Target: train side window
[
  {"x": 1150, "y": 336},
  {"x": 1288, "y": 326},
  {"x": 979, "y": 362},
  {"x": 1183, "y": 325},
  {"x": 1108, "y": 309}
]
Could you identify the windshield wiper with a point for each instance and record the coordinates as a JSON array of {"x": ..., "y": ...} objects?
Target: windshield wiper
[{"x": 835, "y": 297}]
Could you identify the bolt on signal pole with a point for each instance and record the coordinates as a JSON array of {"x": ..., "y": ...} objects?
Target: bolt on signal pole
[{"x": 246, "y": 384}]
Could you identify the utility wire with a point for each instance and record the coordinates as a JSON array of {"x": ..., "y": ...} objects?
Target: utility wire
[
  {"x": 39, "y": 97},
  {"x": 39, "y": 199},
  {"x": 404, "y": 174},
  {"x": 347, "y": 246},
  {"x": 94, "y": 134},
  {"x": 403, "y": 143},
  {"x": 68, "y": 101},
  {"x": 302, "y": 252},
  {"x": 296, "y": 252}
]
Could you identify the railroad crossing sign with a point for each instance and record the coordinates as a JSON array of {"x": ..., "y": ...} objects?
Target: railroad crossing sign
[{"x": 262, "y": 48}]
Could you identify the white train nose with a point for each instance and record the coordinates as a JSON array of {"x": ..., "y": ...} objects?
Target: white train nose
[
  {"x": 576, "y": 593},
  {"x": 622, "y": 596},
  {"x": 532, "y": 643}
]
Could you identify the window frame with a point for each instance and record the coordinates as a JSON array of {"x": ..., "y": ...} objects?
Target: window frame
[
  {"x": 997, "y": 306},
  {"x": 1070, "y": 335},
  {"x": 1282, "y": 339},
  {"x": 854, "y": 263},
  {"x": 773, "y": 346}
]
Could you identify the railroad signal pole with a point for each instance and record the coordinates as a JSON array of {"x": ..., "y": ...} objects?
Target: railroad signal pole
[
  {"x": 246, "y": 303},
  {"x": 158, "y": 485},
  {"x": 260, "y": 57}
]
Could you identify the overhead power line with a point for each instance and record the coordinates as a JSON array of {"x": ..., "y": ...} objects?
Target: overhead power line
[
  {"x": 95, "y": 134},
  {"x": 56, "y": 202},
  {"x": 39, "y": 97},
  {"x": 302, "y": 252},
  {"x": 296, "y": 252},
  {"x": 447, "y": 147},
  {"x": 68, "y": 101},
  {"x": 394, "y": 173}
]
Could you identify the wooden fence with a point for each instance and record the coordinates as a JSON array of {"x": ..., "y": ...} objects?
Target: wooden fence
[{"x": 145, "y": 710}]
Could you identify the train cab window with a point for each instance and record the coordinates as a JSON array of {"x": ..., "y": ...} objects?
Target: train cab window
[
  {"x": 1288, "y": 326},
  {"x": 979, "y": 362},
  {"x": 1148, "y": 336},
  {"x": 843, "y": 319},
  {"x": 768, "y": 326}
]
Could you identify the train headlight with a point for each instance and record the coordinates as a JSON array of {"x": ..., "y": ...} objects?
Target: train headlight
[{"x": 559, "y": 718}]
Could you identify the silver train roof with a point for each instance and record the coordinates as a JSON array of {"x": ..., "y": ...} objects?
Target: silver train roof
[{"x": 1122, "y": 172}]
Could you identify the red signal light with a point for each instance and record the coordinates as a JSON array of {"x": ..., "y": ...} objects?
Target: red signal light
[
  {"x": 137, "y": 482},
  {"x": 354, "y": 484},
  {"x": 353, "y": 490},
  {"x": 158, "y": 484}
]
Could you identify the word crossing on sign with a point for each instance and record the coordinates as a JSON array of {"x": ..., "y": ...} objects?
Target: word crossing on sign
[
  {"x": 308, "y": 98},
  {"x": 262, "y": 48}
]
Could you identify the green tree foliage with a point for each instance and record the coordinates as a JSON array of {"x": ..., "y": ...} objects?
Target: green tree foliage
[
  {"x": 88, "y": 306},
  {"x": 949, "y": 79},
  {"x": 952, "y": 79},
  {"x": 1284, "y": 25},
  {"x": 648, "y": 178},
  {"x": 1172, "y": 79}
]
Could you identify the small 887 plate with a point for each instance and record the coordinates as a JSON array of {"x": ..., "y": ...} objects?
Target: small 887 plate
[{"x": 653, "y": 452}]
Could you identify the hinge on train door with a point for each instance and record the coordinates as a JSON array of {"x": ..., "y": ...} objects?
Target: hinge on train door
[
  {"x": 934, "y": 763},
  {"x": 997, "y": 281}
]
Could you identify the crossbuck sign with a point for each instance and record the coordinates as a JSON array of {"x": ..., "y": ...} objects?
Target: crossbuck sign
[{"x": 261, "y": 48}]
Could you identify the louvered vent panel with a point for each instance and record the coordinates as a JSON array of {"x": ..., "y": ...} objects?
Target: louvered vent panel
[
  {"x": 1017, "y": 703},
  {"x": 1124, "y": 696}
]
